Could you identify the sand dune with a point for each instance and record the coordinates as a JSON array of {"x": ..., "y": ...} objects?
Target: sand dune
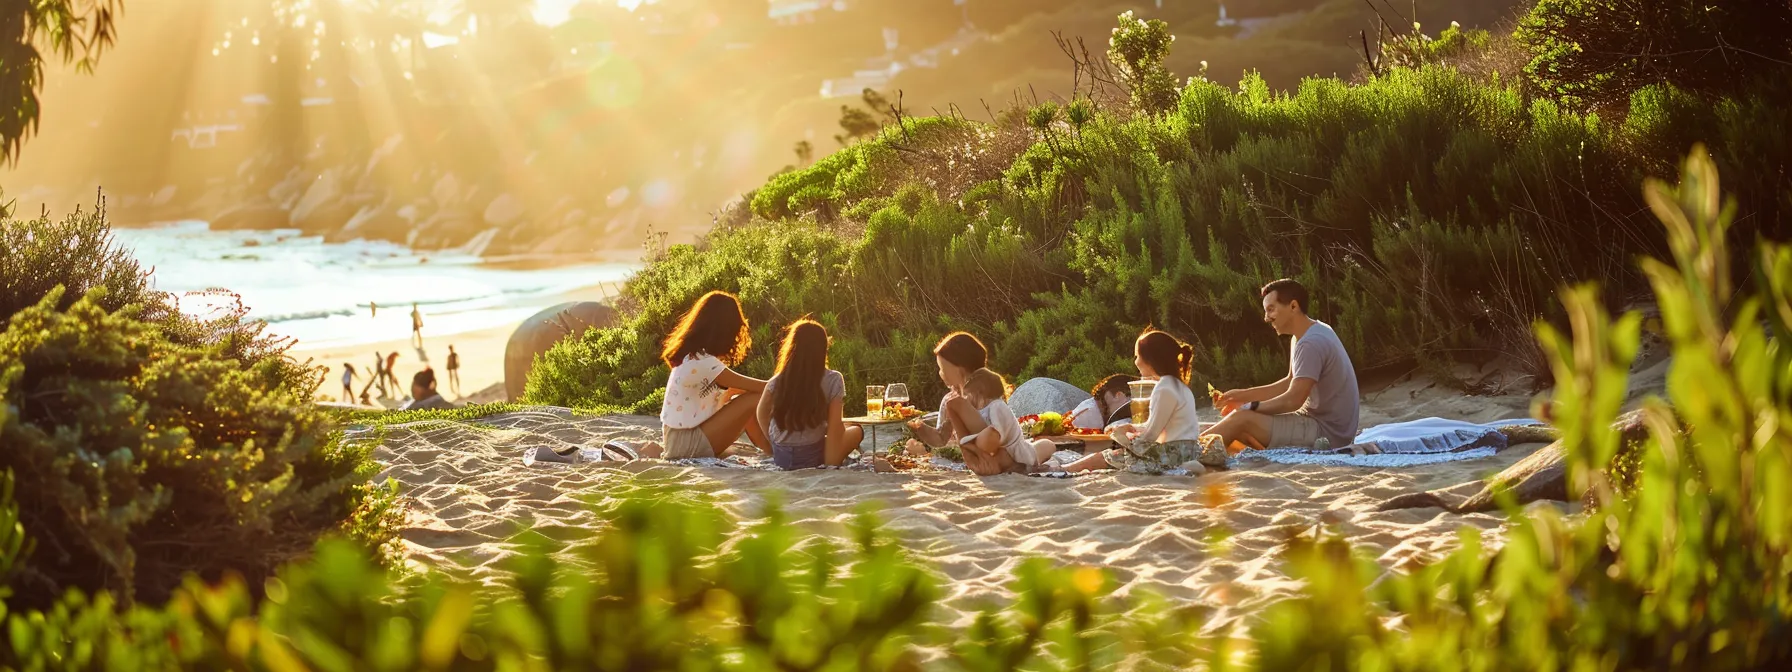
[{"x": 474, "y": 501}]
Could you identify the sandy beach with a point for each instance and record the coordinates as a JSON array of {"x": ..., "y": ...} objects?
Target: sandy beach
[
  {"x": 473, "y": 500},
  {"x": 481, "y": 357}
]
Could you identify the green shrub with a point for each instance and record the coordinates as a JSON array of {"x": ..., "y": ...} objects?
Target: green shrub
[
  {"x": 1137, "y": 49},
  {"x": 1431, "y": 210},
  {"x": 1600, "y": 51},
  {"x": 149, "y": 442},
  {"x": 39, "y": 255},
  {"x": 672, "y": 584},
  {"x": 142, "y": 458},
  {"x": 1686, "y": 569}
]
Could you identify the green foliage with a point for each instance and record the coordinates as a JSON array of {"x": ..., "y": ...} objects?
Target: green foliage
[
  {"x": 38, "y": 255},
  {"x": 70, "y": 31},
  {"x": 1600, "y": 51},
  {"x": 142, "y": 458},
  {"x": 148, "y": 442},
  {"x": 1687, "y": 569},
  {"x": 1433, "y": 211},
  {"x": 672, "y": 584},
  {"x": 1415, "y": 49},
  {"x": 1137, "y": 49}
]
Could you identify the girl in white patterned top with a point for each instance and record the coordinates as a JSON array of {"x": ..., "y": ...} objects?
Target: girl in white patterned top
[
  {"x": 1168, "y": 439},
  {"x": 707, "y": 403}
]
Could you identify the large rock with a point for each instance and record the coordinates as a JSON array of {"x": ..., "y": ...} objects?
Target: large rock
[
  {"x": 541, "y": 331},
  {"x": 504, "y": 210},
  {"x": 445, "y": 229},
  {"x": 253, "y": 216},
  {"x": 372, "y": 223},
  {"x": 322, "y": 207},
  {"x": 1040, "y": 395},
  {"x": 1542, "y": 475}
]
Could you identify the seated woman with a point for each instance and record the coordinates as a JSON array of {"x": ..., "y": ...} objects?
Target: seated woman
[
  {"x": 1109, "y": 402},
  {"x": 1170, "y": 436},
  {"x": 958, "y": 354},
  {"x": 707, "y": 403},
  {"x": 803, "y": 403},
  {"x": 1000, "y": 445}
]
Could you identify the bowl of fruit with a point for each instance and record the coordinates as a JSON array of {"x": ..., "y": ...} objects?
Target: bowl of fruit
[{"x": 1043, "y": 424}]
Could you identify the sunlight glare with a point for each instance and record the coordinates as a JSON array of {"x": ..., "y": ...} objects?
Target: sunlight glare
[{"x": 553, "y": 12}]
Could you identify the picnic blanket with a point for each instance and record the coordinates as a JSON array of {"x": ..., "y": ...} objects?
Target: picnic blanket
[
  {"x": 1404, "y": 444},
  {"x": 545, "y": 456}
]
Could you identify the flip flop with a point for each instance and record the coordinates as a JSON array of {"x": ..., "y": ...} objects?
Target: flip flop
[{"x": 622, "y": 448}]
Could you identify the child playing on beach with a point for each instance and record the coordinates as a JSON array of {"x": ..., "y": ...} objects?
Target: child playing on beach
[
  {"x": 1109, "y": 402},
  {"x": 348, "y": 383},
  {"x": 803, "y": 405},
  {"x": 707, "y": 403},
  {"x": 1169, "y": 438},
  {"x": 1001, "y": 445}
]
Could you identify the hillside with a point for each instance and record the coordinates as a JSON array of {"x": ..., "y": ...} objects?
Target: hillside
[{"x": 579, "y": 153}]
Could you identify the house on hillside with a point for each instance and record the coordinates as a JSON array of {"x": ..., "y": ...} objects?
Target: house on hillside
[{"x": 794, "y": 12}]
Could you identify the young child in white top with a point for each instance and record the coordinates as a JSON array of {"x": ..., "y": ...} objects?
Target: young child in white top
[{"x": 1002, "y": 442}]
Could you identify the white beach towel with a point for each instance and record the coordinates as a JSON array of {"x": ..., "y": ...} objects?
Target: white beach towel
[{"x": 1405, "y": 444}]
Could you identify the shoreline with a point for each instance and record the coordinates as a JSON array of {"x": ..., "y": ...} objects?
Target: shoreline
[{"x": 481, "y": 353}]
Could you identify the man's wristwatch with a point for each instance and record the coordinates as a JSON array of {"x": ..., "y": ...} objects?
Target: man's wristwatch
[{"x": 1254, "y": 405}]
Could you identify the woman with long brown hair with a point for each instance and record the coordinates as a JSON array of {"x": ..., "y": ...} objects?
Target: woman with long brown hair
[
  {"x": 957, "y": 355},
  {"x": 1169, "y": 438},
  {"x": 708, "y": 404},
  {"x": 804, "y": 403}
]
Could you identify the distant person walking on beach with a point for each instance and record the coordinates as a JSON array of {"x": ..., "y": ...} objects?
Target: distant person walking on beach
[
  {"x": 379, "y": 373},
  {"x": 348, "y": 383},
  {"x": 453, "y": 370},
  {"x": 392, "y": 370},
  {"x": 373, "y": 309},
  {"x": 416, "y": 326}
]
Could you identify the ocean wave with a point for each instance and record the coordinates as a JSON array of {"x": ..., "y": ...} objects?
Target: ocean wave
[{"x": 465, "y": 303}]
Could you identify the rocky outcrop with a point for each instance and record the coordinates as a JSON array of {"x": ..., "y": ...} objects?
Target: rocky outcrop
[
  {"x": 1041, "y": 395},
  {"x": 256, "y": 216},
  {"x": 541, "y": 331}
]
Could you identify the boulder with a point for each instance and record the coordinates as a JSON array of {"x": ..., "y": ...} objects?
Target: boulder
[
  {"x": 372, "y": 224},
  {"x": 541, "y": 331},
  {"x": 504, "y": 210},
  {"x": 1542, "y": 475},
  {"x": 1040, "y": 395},
  {"x": 322, "y": 197},
  {"x": 445, "y": 229},
  {"x": 253, "y": 216},
  {"x": 447, "y": 192},
  {"x": 324, "y": 218}
]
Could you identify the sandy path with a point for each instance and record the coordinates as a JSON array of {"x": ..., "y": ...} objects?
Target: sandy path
[{"x": 474, "y": 502}]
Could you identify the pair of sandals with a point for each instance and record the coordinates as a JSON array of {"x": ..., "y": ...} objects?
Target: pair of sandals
[{"x": 610, "y": 451}]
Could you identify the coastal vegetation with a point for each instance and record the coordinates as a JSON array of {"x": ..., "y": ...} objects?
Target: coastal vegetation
[
  {"x": 150, "y": 440},
  {"x": 1684, "y": 567},
  {"x": 1438, "y": 207},
  {"x": 171, "y": 497}
]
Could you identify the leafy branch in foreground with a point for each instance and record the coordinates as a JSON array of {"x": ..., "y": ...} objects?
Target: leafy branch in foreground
[
  {"x": 668, "y": 583},
  {"x": 1688, "y": 568}
]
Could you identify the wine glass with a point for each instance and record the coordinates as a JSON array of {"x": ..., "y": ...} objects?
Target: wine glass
[
  {"x": 874, "y": 401},
  {"x": 896, "y": 396}
]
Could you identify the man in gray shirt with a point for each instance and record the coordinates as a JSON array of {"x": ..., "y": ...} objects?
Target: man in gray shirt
[{"x": 1317, "y": 400}]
